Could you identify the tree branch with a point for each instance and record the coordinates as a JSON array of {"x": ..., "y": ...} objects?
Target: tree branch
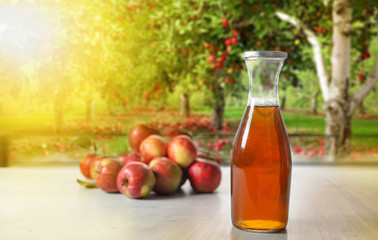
[
  {"x": 316, "y": 49},
  {"x": 244, "y": 23},
  {"x": 369, "y": 84}
]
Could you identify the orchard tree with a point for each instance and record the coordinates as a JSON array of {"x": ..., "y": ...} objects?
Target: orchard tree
[
  {"x": 199, "y": 45},
  {"x": 340, "y": 23},
  {"x": 327, "y": 26},
  {"x": 23, "y": 36},
  {"x": 77, "y": 65},
  {"x": 178, "y": 46},
  {"x": 196, "y": 46},
  {"x": 66, "y": 52},
  {"x": 170, "y": 50},
  {"x": 238, "y": 27},
  {"x": 135, "y": 78},
  {"x": 174, "y": 48}
]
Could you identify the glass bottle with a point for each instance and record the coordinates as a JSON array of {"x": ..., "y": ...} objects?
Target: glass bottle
[{"x": 261, "y": 157}]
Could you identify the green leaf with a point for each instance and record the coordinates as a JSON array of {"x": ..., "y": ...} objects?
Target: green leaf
[
  {"x": 87, "y": 184},
  {"x": 81, "y": 141}
]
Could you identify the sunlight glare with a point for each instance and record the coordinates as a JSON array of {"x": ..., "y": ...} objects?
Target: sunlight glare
[{"x": 23, "y": 33}]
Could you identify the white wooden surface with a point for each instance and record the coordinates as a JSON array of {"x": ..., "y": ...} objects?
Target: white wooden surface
[{"x": 47, "y": 203}]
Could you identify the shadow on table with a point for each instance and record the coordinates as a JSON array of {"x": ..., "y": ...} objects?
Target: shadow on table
[
  {"x": 238, "y": 234},
  {"x": 178, "y": 194},
  {"x": 192, "y": 192}
]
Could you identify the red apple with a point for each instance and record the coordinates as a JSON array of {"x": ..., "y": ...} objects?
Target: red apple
[
  {"x": 204, "y": 175},
  {"x": 227, "y": 42},
  {"x": 361, "y": 76},
  {"x": 107, "y": 177},
  {"x": 219, "y": 64},
  {"x": 153, "y": 146},
  {"x": 168, "y": 175},
  {"x": 233, "y": 40},
  {"x": 95, "y": 167},
  {"x": 138, "y": 133},
  {"x": 135, "y": 180},
  {"x": 225, "y": 22},
  {"x": 85, "y": 164},
  {"x": 130, "y": 157},
  {"x": 202, "y": 154},
  {"x": 211, "y": 58},
  {"x": 175, "y": 133},
  {"x": 182, "y": 150}
]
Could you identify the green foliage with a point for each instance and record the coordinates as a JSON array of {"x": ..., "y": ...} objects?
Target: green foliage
[
  {"x": 131, "y": 53},
  {"x": 81, "y": 141}
]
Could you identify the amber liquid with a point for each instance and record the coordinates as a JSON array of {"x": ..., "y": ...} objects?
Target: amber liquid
[{"x": 261, "y": 171}]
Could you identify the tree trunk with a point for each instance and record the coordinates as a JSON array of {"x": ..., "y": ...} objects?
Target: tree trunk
[
  {"x": 316, "y": 50},
  {"x": 59, "y": 117},
  {"x": 90, "y": 110},
  {"x": 336, "y": 108},
  {"x": 4, "y": 151},
  {"x": 219, "y": 104},
  {"x": 314, "y": 103},
  {"x": 59, "y": 111},
  {"x": 361, "y": 108},
  {"x": 185, "y": 105},
  {"x": 337, "y": 131}
]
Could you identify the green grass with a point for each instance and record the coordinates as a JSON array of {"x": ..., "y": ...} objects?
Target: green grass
[
  {"x": 43, "y": 123},
  {"x": 294, "y": 122},
  {"x": 364, "y": 131},
  {"x": 314, "y": 123},
  {"x": 10, "y": 124}
]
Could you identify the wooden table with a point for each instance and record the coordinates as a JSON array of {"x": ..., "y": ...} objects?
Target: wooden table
[{"x": 46, "y": 203}]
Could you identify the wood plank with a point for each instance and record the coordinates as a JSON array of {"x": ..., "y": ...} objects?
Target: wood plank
[{"x": 327, "y": 202}]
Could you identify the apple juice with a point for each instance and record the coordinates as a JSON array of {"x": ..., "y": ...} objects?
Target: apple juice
[{"x": 261, "y": 171}]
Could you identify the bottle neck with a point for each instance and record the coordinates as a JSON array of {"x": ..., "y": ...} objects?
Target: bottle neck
[{"x": 263, "y": 82}]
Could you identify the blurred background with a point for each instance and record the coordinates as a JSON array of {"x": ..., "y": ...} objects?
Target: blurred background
[{"x": 94, "y": 68}]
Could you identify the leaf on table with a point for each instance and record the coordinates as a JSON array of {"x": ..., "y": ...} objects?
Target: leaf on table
[
  {"x": 82, "y": 141},
  {"x": 87, "y": 184}
]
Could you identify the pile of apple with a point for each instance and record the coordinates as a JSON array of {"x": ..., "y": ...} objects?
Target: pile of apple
[{"x": 154, "y": 165}]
